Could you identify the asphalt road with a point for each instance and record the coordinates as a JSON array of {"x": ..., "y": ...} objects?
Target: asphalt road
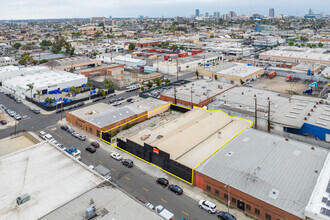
[{"x": 133, "y": 180}]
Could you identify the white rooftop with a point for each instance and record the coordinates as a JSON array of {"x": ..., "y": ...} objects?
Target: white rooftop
[
  {"x": 241, "y": 70},
  {"x": 47, "y": 174}
]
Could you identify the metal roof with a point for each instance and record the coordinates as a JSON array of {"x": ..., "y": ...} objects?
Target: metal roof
[{"x": 269, "y": 168}]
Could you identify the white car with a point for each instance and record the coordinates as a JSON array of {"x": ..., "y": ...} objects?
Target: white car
[
  {"x": 208, "y": 206},
  {"x": 75, "y": 134},
  {"x": 116, "y": 156},
  {"x": 48, "y": 137},
  {"x": 116, "y": 103},
  {"x": 82, "y": 137}
]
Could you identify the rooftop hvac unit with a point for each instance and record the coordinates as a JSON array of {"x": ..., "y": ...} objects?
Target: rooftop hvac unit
[{"x": 22, "y": 199}]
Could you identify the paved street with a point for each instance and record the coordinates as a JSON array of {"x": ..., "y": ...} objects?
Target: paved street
[{"x": 133, "y": 180}]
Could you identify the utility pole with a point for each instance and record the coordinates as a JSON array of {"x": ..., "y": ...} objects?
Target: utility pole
[
  {"x": 204, "y": 61},
  {"x": 191, "y": 97},
  {"x": 177, "y": 69},
  {"x": 61, "y": 110},
  {"x": 268, "y": 124},
  {"x": 255, "y": 112},
  {"x": 136, "y": 84},
  {"x": 174, "y": 93}
]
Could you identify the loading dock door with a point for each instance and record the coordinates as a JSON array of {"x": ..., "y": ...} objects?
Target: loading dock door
[{"x": 240, "y": 205}]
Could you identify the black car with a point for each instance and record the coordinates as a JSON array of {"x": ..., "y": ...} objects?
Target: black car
[
  {"x": 112, "y": 101},
  {"x": 129, "y": 99},
  {"x": 91, "y": 149},
  {"x": 176, "y": 189},
  {"x": 162, "y": 181},
  {"x": 120, "y": 98},
  {"x": 225, "y": 216},
  {"x": 127, "y": 162},
  {"x": 12, "y": 96},
  {"x": 3, "y": 122},
  {"x": 79, "y": 104},
  {"x": 64, "y": 127},
  {"x": 96, "y": 99},
  {"x": 58, "y": 111}
]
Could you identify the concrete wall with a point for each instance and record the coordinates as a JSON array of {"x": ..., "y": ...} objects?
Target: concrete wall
[{"x": 219, "y": 190}]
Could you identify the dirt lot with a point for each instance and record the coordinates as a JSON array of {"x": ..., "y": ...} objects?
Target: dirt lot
[{"x": 278, "y": 84}]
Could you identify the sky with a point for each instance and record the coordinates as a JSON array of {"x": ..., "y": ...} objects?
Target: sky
[{"x": 43, "y": 9}]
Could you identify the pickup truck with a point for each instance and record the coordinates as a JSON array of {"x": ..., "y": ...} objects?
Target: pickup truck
[
  {"x": 74, "y": 152},
  {"x": 160, "y": 210}
]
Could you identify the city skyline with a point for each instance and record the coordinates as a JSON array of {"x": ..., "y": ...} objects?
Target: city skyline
[{"x": 47, "y": 9}]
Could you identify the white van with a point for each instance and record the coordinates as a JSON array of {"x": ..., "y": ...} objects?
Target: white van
[
  {"x": 48, "y": 137},
  {"x": 42, "y": 134}
]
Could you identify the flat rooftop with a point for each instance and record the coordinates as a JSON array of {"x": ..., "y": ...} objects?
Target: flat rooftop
[
  {"x": 200, "y": 90},
  {"x": 47, "y": 174},
  {"x": 102, "y": 114},
  {"x": 269, "y": 168},
  {"x": 107, "y": 199},
  {"x": 241, "y": 70},
  {"x": 184, "y": 139}
]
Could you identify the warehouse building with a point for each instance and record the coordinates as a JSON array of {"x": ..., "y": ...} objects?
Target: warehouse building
[
  {"x": 179, "y": 145},
  {"x": 4, "y": 61},
  {"x": 234, "y": 73},
  {"x": 8, "y": 72},
  {"x": 102, "y": 117},
  {"x": 188, "y": 63},
  {"x": 302, "y": 115},
  {"x": 108, "y": 70},
  {"x": 44, "y": 80},
  {"x": 74, "y": 63},
  {"x": 296, "y": 55},
  {"x": 127, "y": 60},
  {"x": 200, "y": 93},
  {"x": 142, "y": 43},
  {"x": 319, "y": 204},
  {"x": 264, "y": 175}
]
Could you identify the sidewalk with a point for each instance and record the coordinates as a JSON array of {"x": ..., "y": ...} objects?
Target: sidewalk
[{"x": 189, "y": 190}]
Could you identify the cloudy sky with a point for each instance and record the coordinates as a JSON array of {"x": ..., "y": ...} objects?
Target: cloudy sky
[{"x": 36, "y": 9}]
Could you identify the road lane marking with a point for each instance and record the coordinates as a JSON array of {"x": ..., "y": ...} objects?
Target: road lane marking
[
  {"x": 164, "y": 200},
  {"x": 89, "y": 154},
  {"x": 54, "y": 133},
  {"x": 146, "y": 189},
  {"x": 100, "y": 161},
  {"x": 127, "y": 178},
  {"x": 185, "y": 213},
  {"x": 113, "y": 169}
]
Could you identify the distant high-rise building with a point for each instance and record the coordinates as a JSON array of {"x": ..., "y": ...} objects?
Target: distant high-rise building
[
  {"x": 197, "y": 13},
  {"x": 310, "y": 11},
  {"x": 141, "y": 17},
  {"x": 232, "y": 14},
  {"x": 271, "y": 12},
  {"x": 215, "y": 14},
  {"x": 206, "y": 14},
  {"x": 218, "y": 14}
]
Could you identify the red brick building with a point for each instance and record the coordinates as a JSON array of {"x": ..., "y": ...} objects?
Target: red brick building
[{"x": 144, "y": 43}]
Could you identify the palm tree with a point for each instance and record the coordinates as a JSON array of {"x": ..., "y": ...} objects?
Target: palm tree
[
  {"x": 89, "y": 85},
  {"x": 73, "y": 91},
  {"x": 39, "y": 93},
  {"x": 30, "y": 88},
  {"x": 108, "y": 84}
]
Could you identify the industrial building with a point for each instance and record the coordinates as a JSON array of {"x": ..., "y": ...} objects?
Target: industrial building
[
  {"x": 43, "y": 79},
  {"x": 264, "y": 175},
  {"x": 187, "y": 63},
  {"x": 234, "y": 73},
  {"x": 200, "y": 93},
  {"x": 74, "y": 63},
  {"x": 142, "y": 43},
  {"x": 108, "y": 70},
  {"x": 300, "y": 115},
  {"x": 318, "y": 205},
  {"x": 47, "y": 175},
  {"x": 128, "y": 60},
  {"x": 4, "y": 61},
  {"x": 102, "y": 117},
  {"x": 295, "y": 55},
  {"x": 180, "y": 145}
]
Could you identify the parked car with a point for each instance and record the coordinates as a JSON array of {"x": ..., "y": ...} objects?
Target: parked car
[
  {"x": 225, "y": 216},
  {"x": 58, "y": 111},
  {"x": 96, "y": 99},
  {"x": 127, "y": 162},
  {"x": 208, "y": 206},
  {"x": 18, "y": 101},
  {"x": 17, "y": 117},
  {"x": 79, "y": 104},
  {"x": 64, "y": 127},
  {"x": 162, "y": 181},
  {"x": 120, "y": 98},
  {"x": 116, "y": 156},
  {"x": 112, "y": 101},
  {"x": 42, "y": 134},
  {"x": 82, "y": 137},
  {"x": 75, "y": 134},
  {"x": 129, "y": 99},
  {"x": 70, "y": 130},
  {"x": 36, "y": 111},
  {"x": 91, "y": 149},
  {"x": 112, "y": 95},
  {"x": 95, "y": 144},
  {"x": 176, "y": 189},
  {"x": 3, "y": 122},
  {"x": 62, "y": 146},
  {"x": 116, "y": 103}
]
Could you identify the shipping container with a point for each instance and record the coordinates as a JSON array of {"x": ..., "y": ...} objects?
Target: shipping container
[
  {"x": 160, "y": 51},
  {"x": 183, "y": 54},
  {"x": 272, "y": 74},
  {"x": 151, "y": 50},
  {"x": 170, "y": 56},
  {"x": 197, "y": 51}
]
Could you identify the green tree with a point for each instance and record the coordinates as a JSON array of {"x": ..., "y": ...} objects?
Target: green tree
[
  {"x": 313, "y": 45},
  {"x": 320, "y": 44},
  {"x": 197, "y": 74},
  {"x": 308, "y": 45},
  {"x": 182, "y": 47},
  {"x": 212, "y": 36},
  {"x": 30, "y": 88},
  {"x": 58, "y": 43},
  {"x": 69, "y": 49},
  {"x": 89, "y": 85},
  {"x": 131, "y": 46},
  {"x": 46, "y": 43},
  {"x": 302, "y": 45},
  {"x": 43, "y": 61},
  {"x": 108, "y": 84},
  {"x": 158, "y": 81},
  {"x": 174, "y": 47},
  {"x": 291, "y": 43},
  {"x": 34, "y": 62},
  {"x": 102, "y": 92},
  {"x": 296, "y": 45},
  {"x": 17, "y": 45},
  {"x": 39, "y": 93},
  {"x": 142, "y": 88},
  {"x": 150, "y": 84},
  {"x": 167, "y": 81},
  {"x": 73, "y": 91},
  {"x": 24, "y": 59}
]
